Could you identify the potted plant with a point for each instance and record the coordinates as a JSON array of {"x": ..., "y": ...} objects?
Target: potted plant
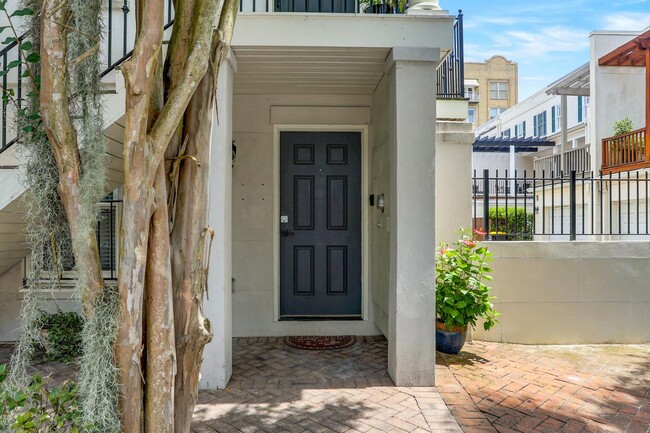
[{"x": 462, "y": 295}]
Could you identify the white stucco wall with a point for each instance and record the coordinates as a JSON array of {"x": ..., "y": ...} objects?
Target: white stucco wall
[
  {"x": 453, "y": 178},
  {"x": 11, "y": 299},
  {"x": 381, "y": 138},
  {"x": 616, "y": 91},
  {"x": 571, "y": 292},
  {"x": 10, "y": 283}
]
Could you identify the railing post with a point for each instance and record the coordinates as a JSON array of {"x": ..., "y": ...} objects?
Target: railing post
[
  {"x": 461, "y": 54},
  {"x": 572, "y": 206},
  {"x": 486, "y": 203}
]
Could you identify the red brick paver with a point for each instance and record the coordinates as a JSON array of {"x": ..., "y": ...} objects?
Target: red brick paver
[
  {"x": 275, "y": 388},
  {"x": 491, "y": 387}
]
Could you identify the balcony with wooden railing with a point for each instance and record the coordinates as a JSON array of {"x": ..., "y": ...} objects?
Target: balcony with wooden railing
[{"x": 626, "y": 152}]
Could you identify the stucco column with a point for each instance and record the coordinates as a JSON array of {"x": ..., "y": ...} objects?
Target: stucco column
[
  {"x": 411, "y": 346},
  {"x": 454, "y": 141},
  {"x": 217, "y": 357}
]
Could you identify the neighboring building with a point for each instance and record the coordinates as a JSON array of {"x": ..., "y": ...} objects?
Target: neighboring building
[
  {"x": 539, "y": 118},
  {"x": 491, "y": 88},
  {"x": 327, "y": 110},
  {"x": 567, "y": 127}
]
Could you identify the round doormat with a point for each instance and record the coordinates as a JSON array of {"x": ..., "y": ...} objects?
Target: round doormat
[{"x": 321, "y": 343}]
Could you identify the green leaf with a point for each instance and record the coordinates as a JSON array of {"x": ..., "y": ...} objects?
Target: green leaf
[
  {"x": 33, "y": 58},
  {"x": 461, "y": 304},
  {"x": 8, "y": 40},
  {"x": 26, "y": 46},
  {"x": 13, "y": 64},
  {"x": 22, "y": 12}
]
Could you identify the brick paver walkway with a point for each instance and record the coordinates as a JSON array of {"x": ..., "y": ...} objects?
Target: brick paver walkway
[
  {"x": 275, "y": 388},
  {"x": 507, "y": 388}
]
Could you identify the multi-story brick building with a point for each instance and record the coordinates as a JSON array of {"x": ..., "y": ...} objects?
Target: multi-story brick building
[{"x": 491, "y": 88}]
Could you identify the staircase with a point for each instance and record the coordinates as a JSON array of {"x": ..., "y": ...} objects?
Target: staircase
[{"x": 116, "y": 48}]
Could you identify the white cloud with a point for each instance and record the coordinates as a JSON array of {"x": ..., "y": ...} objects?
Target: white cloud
[
  {"x": 536, "y": 44},
  {"x": 627, "y": 21}
]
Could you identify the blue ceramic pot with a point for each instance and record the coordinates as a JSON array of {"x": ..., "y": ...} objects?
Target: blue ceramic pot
[{"x": 449, "y": 341}]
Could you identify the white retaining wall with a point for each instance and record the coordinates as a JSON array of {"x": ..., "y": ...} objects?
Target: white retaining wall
[{"x": 571, "y": 292}]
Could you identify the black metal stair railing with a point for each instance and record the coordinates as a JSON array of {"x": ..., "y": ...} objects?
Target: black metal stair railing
[
  {"x": 120, "y": 38},
  {"x": 450, "y": 80},
  {"x": 116, "y": 48}
]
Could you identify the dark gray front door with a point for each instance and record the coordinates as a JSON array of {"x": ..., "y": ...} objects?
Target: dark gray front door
[{"x": 320, "y": 224}]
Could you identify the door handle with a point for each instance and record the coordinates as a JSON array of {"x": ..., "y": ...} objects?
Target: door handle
[{"x": 284, "y": 233}]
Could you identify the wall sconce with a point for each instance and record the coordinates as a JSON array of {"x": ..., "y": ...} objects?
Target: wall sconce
[{"x": 381, "y": 202}]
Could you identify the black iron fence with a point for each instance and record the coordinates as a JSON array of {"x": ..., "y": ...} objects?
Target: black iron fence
[
  {"x": 538, "y": 206},
  {"x": 450, "y": 80}
]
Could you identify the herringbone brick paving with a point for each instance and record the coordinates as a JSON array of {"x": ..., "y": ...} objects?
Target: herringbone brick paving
[
  {"x": 489, "y": 387},
  {"x": 599, "y": 388},
  {"x": 275, "y": 388}
]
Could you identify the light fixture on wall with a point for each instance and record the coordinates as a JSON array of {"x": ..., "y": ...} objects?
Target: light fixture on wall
[{"x": 381, "y": 202}]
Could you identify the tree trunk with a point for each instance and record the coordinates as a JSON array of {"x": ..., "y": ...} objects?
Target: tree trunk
[
  {"x": 161, "y": 350},
  {"x": 62, "y": 136},
  {"x": 138, "y": 201},
  {"x": 189, "y": 249}
]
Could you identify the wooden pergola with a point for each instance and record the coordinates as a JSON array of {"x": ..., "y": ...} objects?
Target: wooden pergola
[{"x": 626, "y": 154}]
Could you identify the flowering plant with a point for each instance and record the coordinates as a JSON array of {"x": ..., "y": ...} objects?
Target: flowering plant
[{"x": 461, "y": 293}]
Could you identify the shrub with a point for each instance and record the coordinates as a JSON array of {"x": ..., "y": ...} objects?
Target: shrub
[
  {"x": 512, "y": 224},
  {"x": 40, "y": 410},
  {"x": 461, "y": 293},
  {"x": 61, "y": 335},
  {"x": 623, "y": 126}
]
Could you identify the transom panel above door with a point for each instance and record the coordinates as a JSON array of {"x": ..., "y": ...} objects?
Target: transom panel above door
[{"x": 320, "y": 225}]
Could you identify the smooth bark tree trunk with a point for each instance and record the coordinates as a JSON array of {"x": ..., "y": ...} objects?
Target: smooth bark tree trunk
[
  {"x": 137, "y": 209},
  {"x": 160, "y": 344}
]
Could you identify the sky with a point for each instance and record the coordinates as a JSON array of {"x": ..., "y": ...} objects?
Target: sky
[{"x": 547, "y": 38}]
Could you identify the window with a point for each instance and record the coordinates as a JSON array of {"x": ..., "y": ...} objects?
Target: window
[
  {"x": 539, "y": 124},
  {"x": 106, "y": 232},
  {"x": 583, "y": 104},
  {"x": 556, "y": 118},
  {"x": 520, "y": 130},
  {"x": 471, "y": 115},
  {"x": 498, "y": 90},
  {"x": 506, "y": 133},
  {"x": 106, "y": 235},
  {"x": 494, "y": 112}
]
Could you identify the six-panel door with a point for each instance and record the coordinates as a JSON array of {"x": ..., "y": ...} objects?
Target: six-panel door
[{"x": 320, "y": 224}]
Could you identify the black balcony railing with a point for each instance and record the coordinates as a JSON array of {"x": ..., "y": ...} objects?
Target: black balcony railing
[
  {"x": 116, "y": 47},
  {"x": 545, "y": 205},
  {"x": 323, "y": 6},
  {"x": 450, "y": 80}
]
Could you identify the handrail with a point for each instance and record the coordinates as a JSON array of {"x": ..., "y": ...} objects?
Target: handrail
[
  {"x": 450, "y": 76},
  {"x": 11, "y": 51},
  {"x": 626, "y": 151}
]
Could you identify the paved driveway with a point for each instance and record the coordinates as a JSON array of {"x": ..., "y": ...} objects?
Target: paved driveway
[{"x": 507, "y": 388}]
